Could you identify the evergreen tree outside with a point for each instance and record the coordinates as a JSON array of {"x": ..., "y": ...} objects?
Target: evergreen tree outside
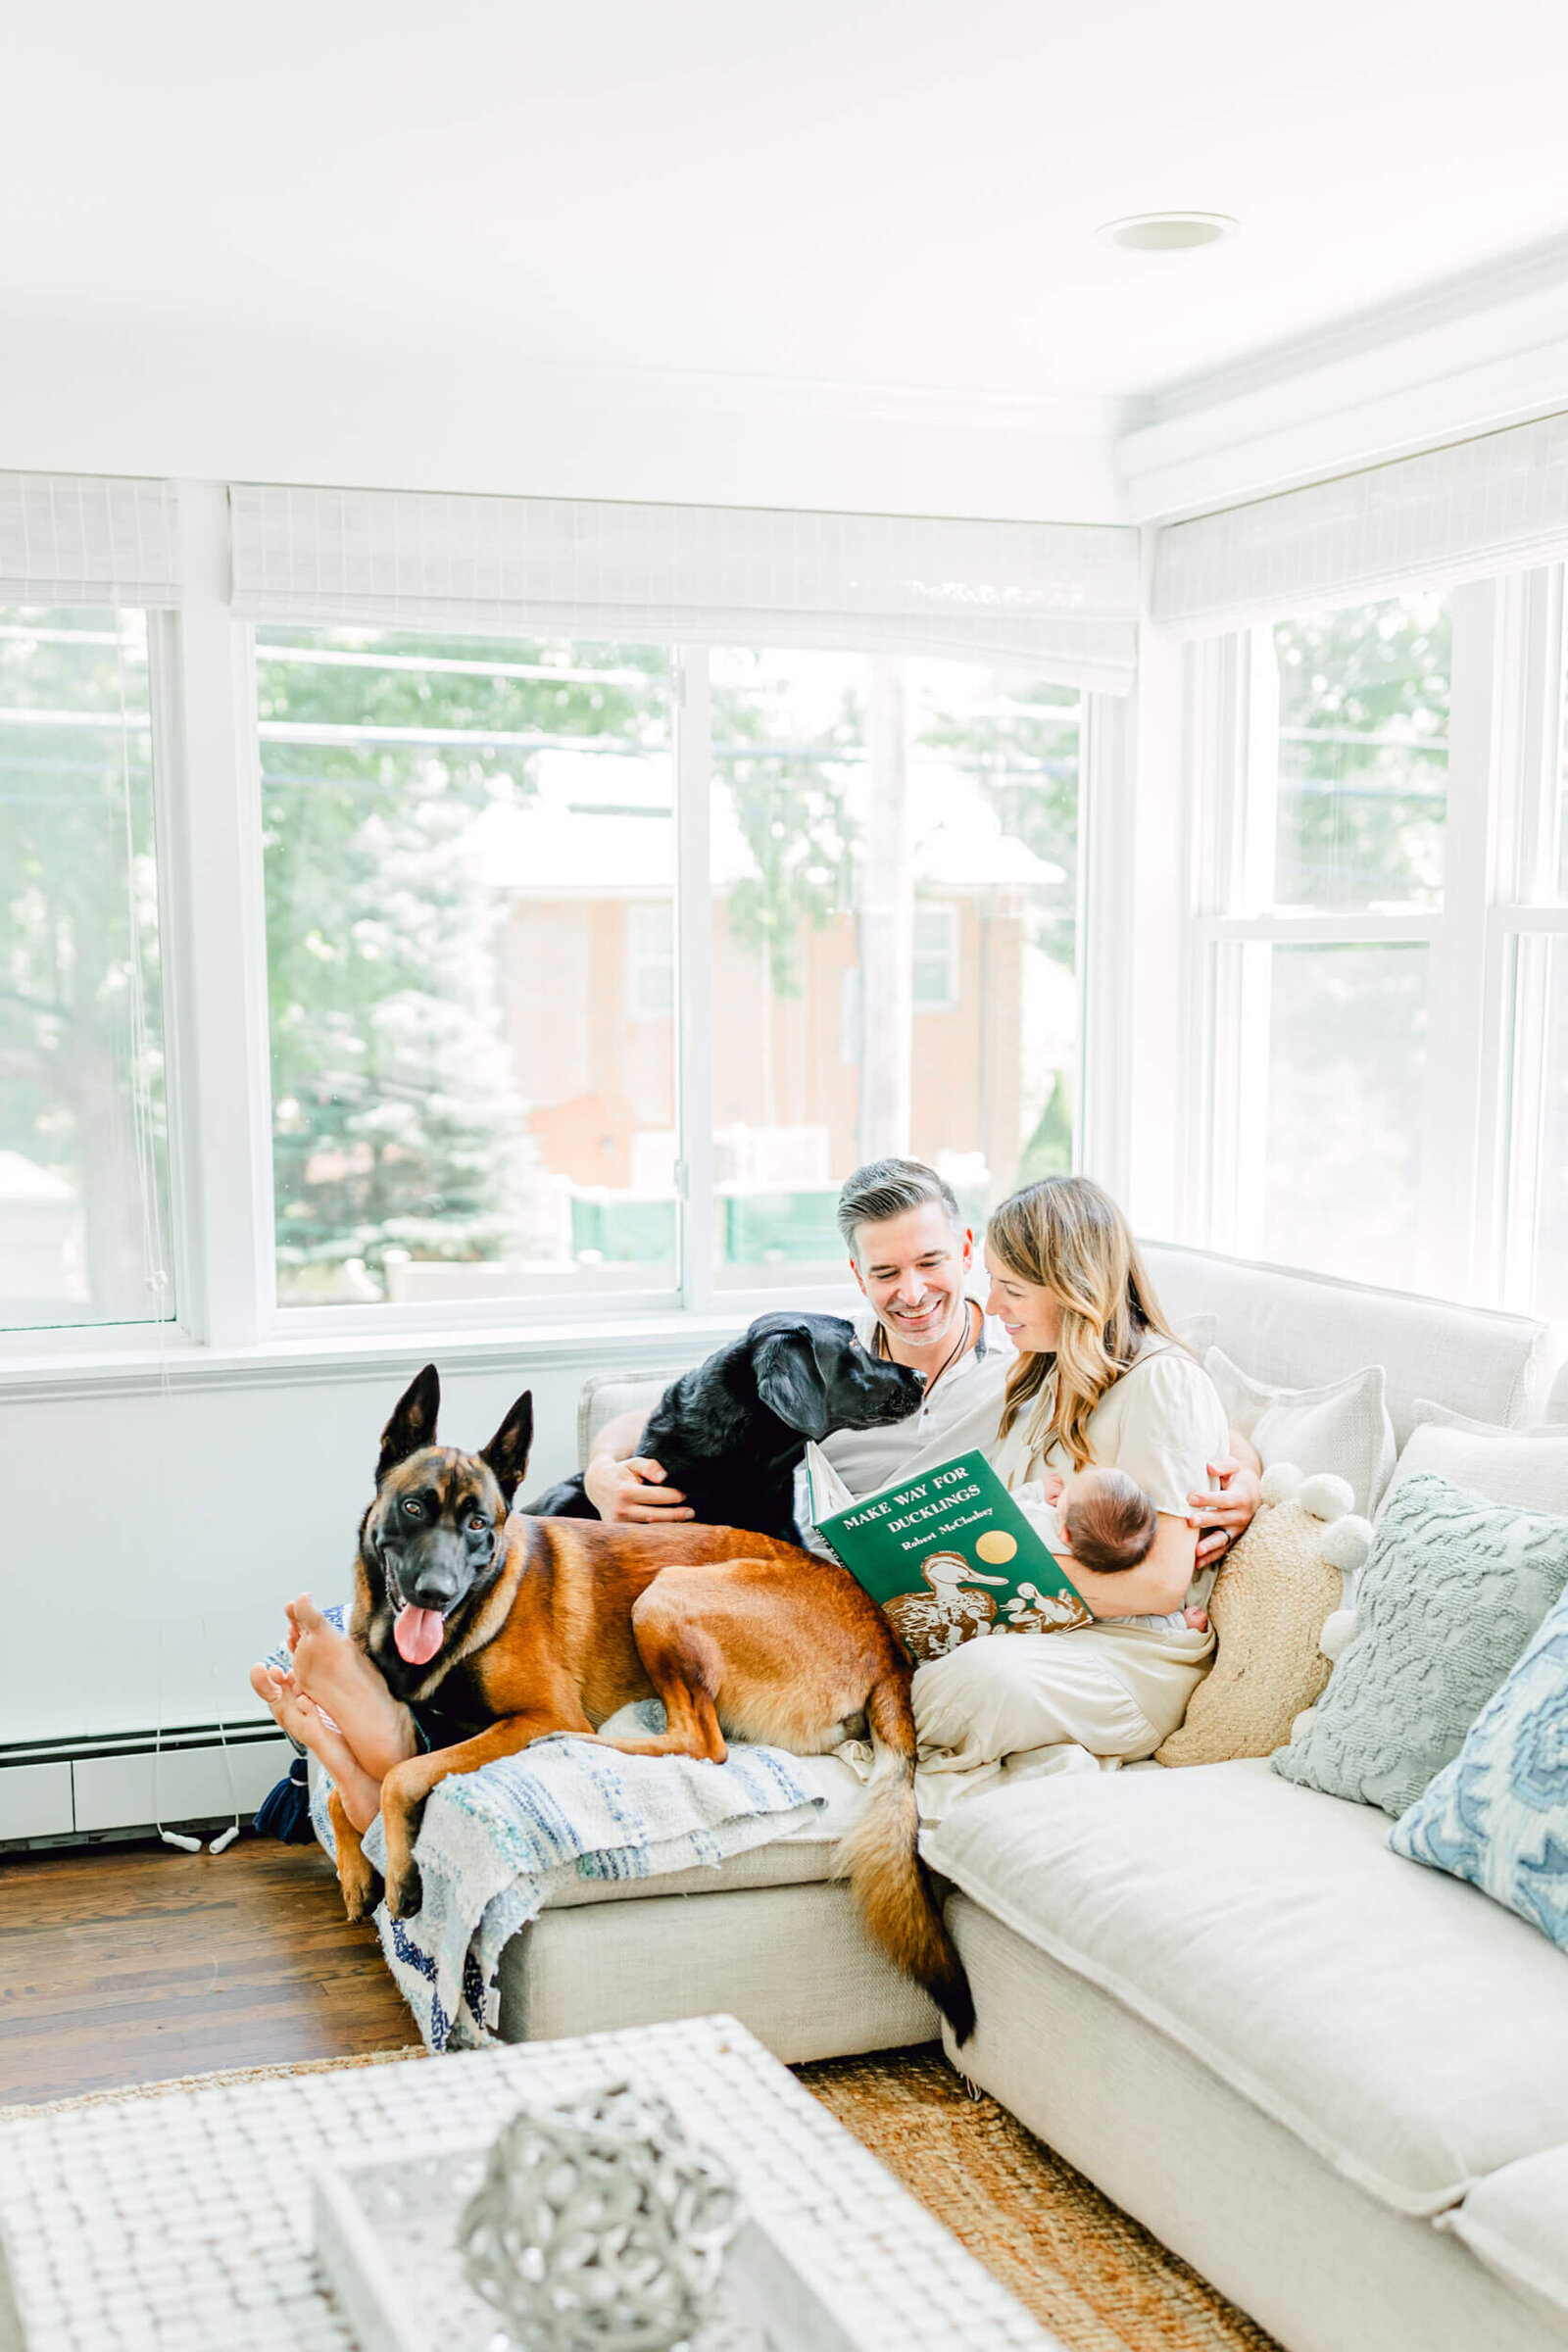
[{"x": 398, "y": 1125}]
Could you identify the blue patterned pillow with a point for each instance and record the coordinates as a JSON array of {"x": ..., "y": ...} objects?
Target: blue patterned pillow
[
  {"x": 1497, "y": 1815},
  {"x": 1451, "y": 1593}
]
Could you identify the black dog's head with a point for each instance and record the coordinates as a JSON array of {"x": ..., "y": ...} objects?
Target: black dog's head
[
  {"x": 812, "y": 1372},
  {"x": 434, "y": 1533}
]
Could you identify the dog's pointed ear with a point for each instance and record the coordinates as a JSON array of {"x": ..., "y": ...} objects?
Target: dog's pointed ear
[
  {"x": 412, "y": 1422},
  {"x": 508, "y": 1450},
  {"x": 790, "y": 1382}
]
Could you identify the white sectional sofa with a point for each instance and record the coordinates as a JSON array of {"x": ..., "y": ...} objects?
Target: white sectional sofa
[{"x": 1334, "y": 2081}]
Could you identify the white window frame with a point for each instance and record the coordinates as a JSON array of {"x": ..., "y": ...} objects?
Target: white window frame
[
  {"x": 228, "y": 1325},
  {"x": 1499, "y": 872}
]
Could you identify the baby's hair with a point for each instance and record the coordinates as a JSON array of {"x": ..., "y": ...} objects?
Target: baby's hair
[{"x": 1110, "y": 1521}]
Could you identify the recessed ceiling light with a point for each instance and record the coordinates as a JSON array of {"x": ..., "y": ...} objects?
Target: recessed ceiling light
[{"x": 1167, "y": 233}]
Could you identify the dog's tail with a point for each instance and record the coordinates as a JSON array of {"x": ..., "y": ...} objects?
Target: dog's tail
[{"x": 882, "y": 1862}]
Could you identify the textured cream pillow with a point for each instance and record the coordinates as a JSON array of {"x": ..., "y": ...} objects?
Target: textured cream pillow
[{"x": 1274, "y": 1593}]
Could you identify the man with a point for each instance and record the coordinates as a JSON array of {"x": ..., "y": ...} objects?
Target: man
[{"x": 912, "y": 1257}]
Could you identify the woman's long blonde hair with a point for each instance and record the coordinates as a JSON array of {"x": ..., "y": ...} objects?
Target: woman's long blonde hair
[{"x": 1071, "y": 1237}]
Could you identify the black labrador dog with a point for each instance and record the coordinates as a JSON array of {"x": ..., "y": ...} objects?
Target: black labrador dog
[{"x": 730, "y": 1433}]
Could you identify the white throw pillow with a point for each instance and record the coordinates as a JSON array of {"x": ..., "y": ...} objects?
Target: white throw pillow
[
  {"x": 1525, "y": 1467},
  {"x": 1343, "y": 1427}
]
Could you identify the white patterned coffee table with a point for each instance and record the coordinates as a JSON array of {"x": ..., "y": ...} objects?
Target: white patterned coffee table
[{"x": 183, "y": 2223}]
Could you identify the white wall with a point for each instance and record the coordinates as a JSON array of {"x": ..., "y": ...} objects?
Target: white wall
[{"x": 153, "y": 1537}]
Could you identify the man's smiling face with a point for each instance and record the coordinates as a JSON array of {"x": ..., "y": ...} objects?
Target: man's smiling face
[{"x": 912, "y": 1270}]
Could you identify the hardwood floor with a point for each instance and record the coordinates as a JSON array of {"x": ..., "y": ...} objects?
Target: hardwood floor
[{"x": 133, "y": 1963}]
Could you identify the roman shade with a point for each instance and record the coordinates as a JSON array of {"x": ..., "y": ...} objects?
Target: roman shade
[
  {"x": 1492, "y": 504},
  {"x": 1060, "y": 598},
  {"x": 87, "y": 539}
]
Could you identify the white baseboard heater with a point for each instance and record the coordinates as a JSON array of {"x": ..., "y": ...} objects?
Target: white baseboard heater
[{"x": 125, "y": 1782}]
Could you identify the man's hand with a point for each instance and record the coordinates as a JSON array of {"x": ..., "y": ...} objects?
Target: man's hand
[
  {"x": 1220, "y": 1518},
  {"x": 634, "y": 1490}
]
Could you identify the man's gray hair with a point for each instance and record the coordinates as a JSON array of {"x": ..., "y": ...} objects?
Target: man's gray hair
[{"x": 886, "y": 1187}]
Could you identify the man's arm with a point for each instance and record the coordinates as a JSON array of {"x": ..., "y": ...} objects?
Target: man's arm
[
  {"x": 1220, "y": 1518},
  {"x": 624, "y": 1485}
]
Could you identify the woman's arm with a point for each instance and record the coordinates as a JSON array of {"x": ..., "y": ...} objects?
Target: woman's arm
[{"x": 1155, "y": 1587}]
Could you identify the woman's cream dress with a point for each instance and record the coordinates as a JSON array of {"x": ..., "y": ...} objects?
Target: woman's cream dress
[{"x": 1110, "y": 1691}]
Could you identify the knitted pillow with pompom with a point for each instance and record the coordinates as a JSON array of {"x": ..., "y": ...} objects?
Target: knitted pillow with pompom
[{"x": 1276, "y": 1589}]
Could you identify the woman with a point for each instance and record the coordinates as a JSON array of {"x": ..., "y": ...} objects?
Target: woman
[{"x": 1102, "y": 1377}]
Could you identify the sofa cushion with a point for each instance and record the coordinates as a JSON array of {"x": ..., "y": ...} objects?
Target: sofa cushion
[
  {"x": 1452, "y": 1592},
  {"x": 1525, "y": 1466},
  {"x": 1343, "y": 1427},
  {"x": 1516, "y": 2223},
  {"x": 1406, "y": 2029}
]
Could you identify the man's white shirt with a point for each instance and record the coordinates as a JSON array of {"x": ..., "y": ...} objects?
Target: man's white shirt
[{"x": 960, "y": 1412}]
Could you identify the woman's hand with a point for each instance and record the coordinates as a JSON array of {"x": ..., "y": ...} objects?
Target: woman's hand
[{"x": 1220, "y": 1518}]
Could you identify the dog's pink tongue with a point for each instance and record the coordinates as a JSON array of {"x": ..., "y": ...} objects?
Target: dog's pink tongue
[{"x": 418, "y": 1633}]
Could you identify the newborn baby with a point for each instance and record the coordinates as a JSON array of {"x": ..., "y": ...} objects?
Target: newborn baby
[{"x": 1105, "y": 1519}]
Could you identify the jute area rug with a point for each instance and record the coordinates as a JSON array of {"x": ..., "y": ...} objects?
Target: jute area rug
[{"x": 1085, "y": 2269}]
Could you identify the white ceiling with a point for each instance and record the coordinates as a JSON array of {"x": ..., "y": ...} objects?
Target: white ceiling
[{"x": 897, "y": 195}]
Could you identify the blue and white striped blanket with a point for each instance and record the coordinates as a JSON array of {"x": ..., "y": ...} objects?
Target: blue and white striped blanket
[{"x": 495, "y": 1844}]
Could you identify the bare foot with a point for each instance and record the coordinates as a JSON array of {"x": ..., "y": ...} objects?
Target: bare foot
[
  {"x": 303, "y": 1720},
  {"x": 337, "y": 1675}
]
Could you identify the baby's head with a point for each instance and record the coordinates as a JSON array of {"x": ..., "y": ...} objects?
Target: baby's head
[{"x": 1108, "y": 1519}]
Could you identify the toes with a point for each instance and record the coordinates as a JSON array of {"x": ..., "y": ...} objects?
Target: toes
[{"x": 305, "y": 1616}]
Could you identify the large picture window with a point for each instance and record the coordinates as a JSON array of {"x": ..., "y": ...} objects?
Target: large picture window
[
  {"x": 471, "y": 855},
  {"x": 470, "y": 862},
  {"x": 84, "y": 1194}
]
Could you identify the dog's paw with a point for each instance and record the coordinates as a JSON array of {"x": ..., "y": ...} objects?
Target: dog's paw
[
  {"x": 361, "y": 1897},
  {"x": 405, "y": 1893}
]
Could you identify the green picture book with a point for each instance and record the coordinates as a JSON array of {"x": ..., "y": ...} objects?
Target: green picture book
[{"x": 949, "y": 1554}]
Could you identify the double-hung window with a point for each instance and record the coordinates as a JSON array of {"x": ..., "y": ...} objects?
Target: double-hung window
[
  {"x": 84, "y": 1206},
  {"x": 88, "y": 1185},
  {"x": 1375, "y": 879},
  {"x": 1319, "y": 875}
]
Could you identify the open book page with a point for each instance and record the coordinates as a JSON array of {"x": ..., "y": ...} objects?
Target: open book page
[{"x": 949, "y": 1554}]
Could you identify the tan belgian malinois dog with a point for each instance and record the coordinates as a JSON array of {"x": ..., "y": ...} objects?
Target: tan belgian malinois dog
[{"x": 502, "y": 1629}]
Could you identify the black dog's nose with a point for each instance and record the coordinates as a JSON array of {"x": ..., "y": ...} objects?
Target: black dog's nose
[{"x": 435, "y": 1588}]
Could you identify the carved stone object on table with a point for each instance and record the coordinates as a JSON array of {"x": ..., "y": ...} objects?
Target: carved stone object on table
[{"x": 599, "y": 2225}]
